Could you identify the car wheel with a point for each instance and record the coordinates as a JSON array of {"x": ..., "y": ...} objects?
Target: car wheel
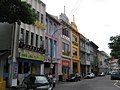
[
  {"x": 25, "y": 85},
  {"x": 79, "y": 79},
  {"x": 111, "y": 78}
]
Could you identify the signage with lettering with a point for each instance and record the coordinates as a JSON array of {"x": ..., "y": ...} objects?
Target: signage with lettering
[
  {"x": 66, "y": 38},
  {"x": 30, "y": 55},
  {"x": 39, "y": 24},
  {"x": 65, "y": 63}
]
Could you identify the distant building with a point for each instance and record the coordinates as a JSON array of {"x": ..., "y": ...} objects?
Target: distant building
[
  {"x": 75, "y": 48},
  {"x": 84, "y": 55},
  {"x": 93, "y": 57},
  {"x": 52, "y": 45},
  {"x": 114, "y": 64},
  {"x": 65, "y": 63},
  {"x": 103, "y": 64}
]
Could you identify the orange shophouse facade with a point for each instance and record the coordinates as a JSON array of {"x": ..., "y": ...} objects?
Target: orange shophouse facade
[{"x": 75, "y": 49}]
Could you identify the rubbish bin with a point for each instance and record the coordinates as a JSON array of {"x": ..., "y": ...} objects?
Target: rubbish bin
[
  {"x": 2, "y": 84},
  {"x": 64, "y": 77}
]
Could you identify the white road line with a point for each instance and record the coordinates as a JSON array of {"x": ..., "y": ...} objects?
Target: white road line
[{"x": 116, "y": 84}]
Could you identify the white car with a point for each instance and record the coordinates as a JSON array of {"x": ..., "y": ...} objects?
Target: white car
[
  {"x": 102, "y": 74},
  {"x": 90, "y": 75}
]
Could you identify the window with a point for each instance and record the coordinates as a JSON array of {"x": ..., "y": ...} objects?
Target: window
[
  {"x": 22, "y": 35},
  {"x": 41, "y": 38},
  {"x": 37, "y": 15},
  {"x": 54, "y": 29},
  {"x": 74, "y": 53},
  {"x": 46, "y": 45},
  {"x": 41, "y": 42},
  {"x": 50, "y": 48},
  {"x": 65, "y": 47},
  {"x": 36, "y": 40},
  {"x": 50, "y": 27},
  {"x": 46, "y": 26},
  {"x": 41, "y": 18},
  {"x": 74, "y": 38},
  {"x": 65, "y": 32},
  {"x": 55, "y": 49},
  {"x": 33, "y": 9},
  {"x": 32, "y": 38},
  {"x": 27, "y": 37},
  {"x": 82, "y": 55}
]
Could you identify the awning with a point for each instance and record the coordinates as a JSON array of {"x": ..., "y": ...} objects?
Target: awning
[{"x": 29, "y": 60}]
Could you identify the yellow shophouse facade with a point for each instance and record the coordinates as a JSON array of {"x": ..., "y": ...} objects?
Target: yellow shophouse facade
[{"x": 75, "y": 47}]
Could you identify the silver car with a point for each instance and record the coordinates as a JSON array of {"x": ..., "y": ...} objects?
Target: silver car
[
  {"x": 37, "y": 82},
  {"x": 90, "y": 75}
]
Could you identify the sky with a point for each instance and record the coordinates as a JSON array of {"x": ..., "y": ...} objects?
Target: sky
[{"x": 97, "y": 20}]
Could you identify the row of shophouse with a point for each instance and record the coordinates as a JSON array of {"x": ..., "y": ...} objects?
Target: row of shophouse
[{"x": 52, "y": 44}]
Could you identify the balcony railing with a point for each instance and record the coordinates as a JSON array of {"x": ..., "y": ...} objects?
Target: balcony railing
[
  {"x": 75, "y": 43},
  {"x": 66, "y": 53}
]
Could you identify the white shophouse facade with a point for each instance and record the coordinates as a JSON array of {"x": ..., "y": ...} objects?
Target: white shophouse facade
[{"x": 31, "y": 43}]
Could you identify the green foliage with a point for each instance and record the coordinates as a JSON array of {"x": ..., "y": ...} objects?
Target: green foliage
[
  {"x": 114, "y": 45},
  {"x": 16, "y": 11}
]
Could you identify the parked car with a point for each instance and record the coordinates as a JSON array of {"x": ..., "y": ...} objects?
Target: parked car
[
  {"x": 74, "y": 77},
  {"x": 102, "y": 74},
  {"x": 90, "y": 75},
  {"x": 37, "y": 82},
  {"x": 115, "y": 75},
  {"x": 109, "y": 72}
]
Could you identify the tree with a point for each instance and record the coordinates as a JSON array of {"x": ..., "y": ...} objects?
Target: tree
[
  {"x": 114, "y": 45},
  {"x": 12, "y": 11}
]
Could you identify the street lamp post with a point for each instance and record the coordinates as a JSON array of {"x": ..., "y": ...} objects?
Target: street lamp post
[{"x": 51, "y": 63}]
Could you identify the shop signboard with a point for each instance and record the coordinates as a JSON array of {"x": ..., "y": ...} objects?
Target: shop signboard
[
  {"x": 65, "y": 63},
  {"x": 39, "y": 24},
  {"x": 31, "y": 55}
]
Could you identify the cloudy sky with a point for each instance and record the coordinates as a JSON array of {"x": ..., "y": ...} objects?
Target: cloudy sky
[{"x": 97, "y": 20}]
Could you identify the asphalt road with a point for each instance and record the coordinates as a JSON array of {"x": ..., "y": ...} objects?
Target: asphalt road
[{"x": 98, "y": 83}]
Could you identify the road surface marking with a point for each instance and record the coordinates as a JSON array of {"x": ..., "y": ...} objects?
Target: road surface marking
[{"x": 116, "y": 84}]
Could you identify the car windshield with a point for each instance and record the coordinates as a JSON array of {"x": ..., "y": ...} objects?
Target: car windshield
[
  {"x": 72, "y": 75},
  {"x": 115, "y": 72},
  {"x": 41, "y": 79}
]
